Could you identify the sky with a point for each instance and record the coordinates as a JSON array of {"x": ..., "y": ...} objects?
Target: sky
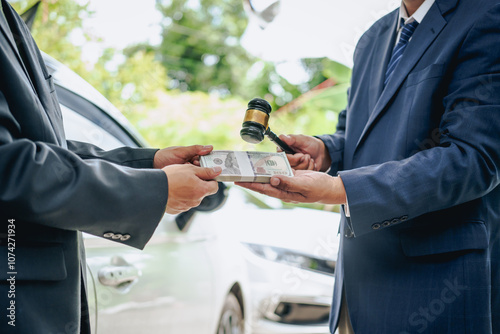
[
  {"x": 316, "y": 28},
  {"x": 119, "y": 24}
]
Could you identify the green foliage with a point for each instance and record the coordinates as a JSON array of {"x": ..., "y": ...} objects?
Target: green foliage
[
  {"x": 316, "y": 116},
  {"x": 200, "y": 44},
  {"x": 331, "y": 69},
  {"x": 133, "y": 84}
]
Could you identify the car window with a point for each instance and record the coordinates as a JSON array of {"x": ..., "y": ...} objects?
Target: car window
[
  {"x": 94, "y": 113},
  {"x": 81, "y": 129}
]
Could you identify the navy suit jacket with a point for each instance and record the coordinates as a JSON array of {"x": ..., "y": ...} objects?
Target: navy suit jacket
[
  {"x": 54, "y": 189},
  {"x": 420, "y": 161}
]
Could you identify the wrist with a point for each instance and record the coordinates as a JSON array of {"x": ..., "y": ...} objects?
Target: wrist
[
  {"x": 342, "y": 193},
  {"x": 156, "y": 162},
  {"x": 336, "y": 192},
  {"x": 326, "y": 161}
]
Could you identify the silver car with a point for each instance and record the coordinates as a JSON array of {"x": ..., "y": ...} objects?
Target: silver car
[{"x": 239, "y": 263}]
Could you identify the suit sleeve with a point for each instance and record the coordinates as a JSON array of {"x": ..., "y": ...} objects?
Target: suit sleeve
[
  {"x": 335, "y": 144},
  {"x": 46, "y": 184},
  {"x": 465, "y": 165},
  {"x": 124, "y": 156}
]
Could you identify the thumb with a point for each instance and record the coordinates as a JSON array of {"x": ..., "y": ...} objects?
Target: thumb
[
  {"x": 285, "y": 183},
  {"x": 289, "y": 140},
  {"x": 207, "y": 173},
  {"x": 190, "y": 152}
]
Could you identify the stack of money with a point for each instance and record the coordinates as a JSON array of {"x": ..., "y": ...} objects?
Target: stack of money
[{"x": 241, "y": 166}]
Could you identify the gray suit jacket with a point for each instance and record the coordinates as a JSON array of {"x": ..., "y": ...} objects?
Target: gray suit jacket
[{"x": 54, "y": 189}]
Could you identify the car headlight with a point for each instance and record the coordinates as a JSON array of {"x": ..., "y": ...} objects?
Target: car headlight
[{"x": 292, "y": 258}]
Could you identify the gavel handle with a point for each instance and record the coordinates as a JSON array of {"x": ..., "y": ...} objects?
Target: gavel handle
[{"x": 280, "y": 143}]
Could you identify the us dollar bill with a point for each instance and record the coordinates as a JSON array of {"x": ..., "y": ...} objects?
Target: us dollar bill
[{"x": 247, "y": 166}]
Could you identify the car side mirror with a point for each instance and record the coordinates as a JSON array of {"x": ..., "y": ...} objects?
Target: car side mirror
[{"x": 208, "y": 204}]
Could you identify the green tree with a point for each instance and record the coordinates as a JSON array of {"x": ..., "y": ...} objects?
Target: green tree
[
  {"x": 202, "y": 52},
  {"x": 200, "y": 44},
  {"x": 132, "y": 84}
]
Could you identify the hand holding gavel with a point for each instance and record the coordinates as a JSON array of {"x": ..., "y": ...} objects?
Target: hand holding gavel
[{"x": 255, "y": 125}]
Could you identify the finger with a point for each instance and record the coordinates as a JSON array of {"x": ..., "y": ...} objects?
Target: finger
[
  {"x": 174, "y": 207},
  {"x": 311, "y": 165},
  {"x": 206, "y": 149},
  {"x": 193, "y": 203},
  {"x": 212, "y": 188},
  {"x": 296, "y": 159},
  {"x": 263, "y": 188},
  {"x": 183, "y": 206},
  {"x": 269, "y": 190},
  {"x": 173, "y": 211},
  {"x": 189, "y": 152},
  {"x": 286, "y": 183},
  {"x": 305, "y": 163},
  {"x": 289, "y": 140},
  {"x": 195, "y": 161},
  {"x": 206, "y": 173}
]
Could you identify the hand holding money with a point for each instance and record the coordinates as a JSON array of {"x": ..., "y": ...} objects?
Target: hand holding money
[
  {"x": 305, "y": 187},
  {"x": 241, "y": 166}
]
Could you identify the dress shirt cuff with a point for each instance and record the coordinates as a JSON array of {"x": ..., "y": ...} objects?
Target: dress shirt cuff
[
  {"x": 346, "y": 205},
  {"x": 346, "y": 208}
]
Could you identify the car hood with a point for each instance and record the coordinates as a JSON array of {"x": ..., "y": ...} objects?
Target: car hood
[{"x": 303, "y": 230}]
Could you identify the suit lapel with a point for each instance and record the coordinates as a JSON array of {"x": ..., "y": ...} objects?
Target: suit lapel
[
  {"x": 34, "y": 71},
  {"x": 4, "y": 26},
  {"x": 9, "y": 36},
  {"x": 382, "y": 53},
  {"x": 423, "y": 37}
]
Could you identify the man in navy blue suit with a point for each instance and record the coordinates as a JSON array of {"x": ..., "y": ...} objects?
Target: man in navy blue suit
[{"x": 415, "y": 161}]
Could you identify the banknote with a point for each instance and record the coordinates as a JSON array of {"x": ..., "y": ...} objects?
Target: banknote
[{"x": 247, "y": 166}]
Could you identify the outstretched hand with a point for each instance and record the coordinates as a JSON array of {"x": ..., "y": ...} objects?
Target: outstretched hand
[
  {"x": 180, "y": 155},
  {"x": 304, "y": 187}
]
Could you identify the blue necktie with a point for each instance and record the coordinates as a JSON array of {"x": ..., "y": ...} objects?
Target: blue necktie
[{"x": 397, "y": 53}]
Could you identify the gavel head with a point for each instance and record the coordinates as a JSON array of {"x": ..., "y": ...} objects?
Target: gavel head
[{"x": 256, "y": 121}]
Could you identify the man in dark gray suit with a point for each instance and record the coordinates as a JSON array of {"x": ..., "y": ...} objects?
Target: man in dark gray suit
[{"x": 51, "y": 189}]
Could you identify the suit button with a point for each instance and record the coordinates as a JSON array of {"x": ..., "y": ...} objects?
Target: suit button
[
  {"x": 404, "y": 218},
  {"x": 108, "y": 234},
  {"x": 395, "y": 221},
  {"x": 375, "y": 226},
  {"x": 116, "y": 236},
  {"x": 125, "y": 237},
  {"x": 386, "y": 223}
]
